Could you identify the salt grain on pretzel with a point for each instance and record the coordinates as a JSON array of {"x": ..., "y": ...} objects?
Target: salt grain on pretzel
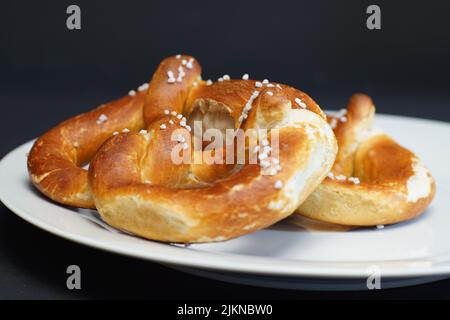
[
  {"x": 300, "y": 103},
  {"x": 278, "y": 184},
  {"x": 102, "y": 118},
  {"x": 143, "y": 87},
  {"x": 189, "y": 64}
]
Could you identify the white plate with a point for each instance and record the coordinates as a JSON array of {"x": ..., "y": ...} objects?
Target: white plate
[{"x": 408, "y": 253}]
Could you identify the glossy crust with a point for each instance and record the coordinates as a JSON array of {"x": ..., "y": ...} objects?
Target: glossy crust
[
  {"x": 138, "y": 188},
  {"x": 56, "y": 159},
  {"x": 54, "y": 163},
  {"x": 394, "y": 185}
]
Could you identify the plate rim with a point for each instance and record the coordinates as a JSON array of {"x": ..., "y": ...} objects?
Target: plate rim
[{"x": 297, "y": 268}]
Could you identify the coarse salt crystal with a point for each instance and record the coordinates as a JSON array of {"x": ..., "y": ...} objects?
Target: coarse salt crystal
[
  {"x": 278, "y": 184},
  {"x": 102, "y": 118},
  {"x": 262, "y": 156},
  {"x": 300, "y": 103},
  {"x": 189, "y": 64},
  {"x": 143, "y": 87},
  {"x": 264, "y": 164}
]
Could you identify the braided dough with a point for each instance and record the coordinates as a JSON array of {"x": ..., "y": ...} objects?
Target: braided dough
[{"x": 374, "y": 180}]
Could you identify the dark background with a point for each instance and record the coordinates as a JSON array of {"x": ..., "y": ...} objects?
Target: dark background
[{"x": 48, "y": 73}]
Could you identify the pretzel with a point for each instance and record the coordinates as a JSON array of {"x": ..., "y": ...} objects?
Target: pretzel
[
  {"x": 374, "y": 180},
  {"x": 138, "y": 188},
  {"x": 56, "y": 158}
]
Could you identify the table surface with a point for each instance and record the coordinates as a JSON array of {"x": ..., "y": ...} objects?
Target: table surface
[{"x": 33, "y": 262}]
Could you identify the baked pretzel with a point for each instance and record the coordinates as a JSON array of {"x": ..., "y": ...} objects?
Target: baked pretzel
[
  {"x": 138, "y": 188},
  {"x": 134, "y": 183},
  {"x": 56, "y": 158},
  {"x": 374, "y": 180}
]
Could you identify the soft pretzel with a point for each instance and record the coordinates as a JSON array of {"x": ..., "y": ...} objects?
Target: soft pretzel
[
  {"x": 55, "y": 161},
  {"x": 374, "y": 180},
  {"x": 137, "y": 187}
]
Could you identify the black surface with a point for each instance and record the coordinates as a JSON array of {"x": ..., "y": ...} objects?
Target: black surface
[{"x": 48, "y": 73}]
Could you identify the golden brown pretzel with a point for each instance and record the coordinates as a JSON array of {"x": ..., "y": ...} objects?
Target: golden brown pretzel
[
  {"x": 137, "y": 187},
  {"x": 55, "y": 161},
  {"x": 374, "y": 180}
]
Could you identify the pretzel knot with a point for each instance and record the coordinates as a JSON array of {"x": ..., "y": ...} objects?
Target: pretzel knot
[
  {"x": 136, "y": 184},
  {"x": 374, "y": 180}
]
